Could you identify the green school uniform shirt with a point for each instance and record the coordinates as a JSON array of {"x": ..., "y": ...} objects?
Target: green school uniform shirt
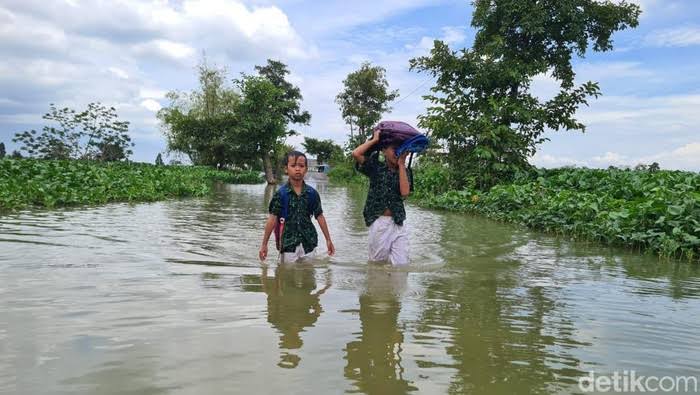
[
  {"x": 298, "y": 228},
  {"x": 383, "y": 191}
]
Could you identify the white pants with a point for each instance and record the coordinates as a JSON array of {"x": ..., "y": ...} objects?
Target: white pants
[
  {"x": 388, "y": 241},
  {"x": 291, "y": 257}
]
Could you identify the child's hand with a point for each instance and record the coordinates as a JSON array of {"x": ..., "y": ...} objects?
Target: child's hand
[
  {"x": 262, "y": 254},
  {"x": 330, "y": 247},
  {"x": 375, "y": 136}
]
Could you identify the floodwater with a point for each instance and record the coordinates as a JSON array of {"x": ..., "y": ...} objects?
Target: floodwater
[{"x": 169, "y": 298}]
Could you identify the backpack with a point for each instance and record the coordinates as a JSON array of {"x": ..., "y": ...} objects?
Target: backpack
[{"x": 284, "y": 191}]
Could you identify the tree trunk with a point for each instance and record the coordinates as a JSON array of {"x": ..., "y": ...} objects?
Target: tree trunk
[{"x": 267, "y": 164}]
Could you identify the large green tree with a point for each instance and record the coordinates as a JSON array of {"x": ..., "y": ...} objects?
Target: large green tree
[
  {"x": 288, "y": 107},
  {"x": 276, "y": 72},
  {"x": 363, "y": 100},
  {"x": 322, "y": 149},
  {"x": 262, "y": 116},
  {"x": 482, "y": 108},
  {"x": 202, "y": 123},
  {"x": 2, "y": 150},
  {"x": 94, "y": 134}
]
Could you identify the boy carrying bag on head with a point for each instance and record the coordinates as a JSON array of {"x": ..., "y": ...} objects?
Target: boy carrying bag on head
[{"x": 384, "y": 210}]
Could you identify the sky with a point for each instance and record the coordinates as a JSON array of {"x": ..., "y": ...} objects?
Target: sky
[{"x": 129, "y": 54}]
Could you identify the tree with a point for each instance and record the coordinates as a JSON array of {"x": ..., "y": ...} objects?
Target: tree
[
  {"x": 2, "y": 150},
  {"x": 364, "y": 99},
  {"x": 94, "y": 134},
  {"x": 262, "y": 121},
  {"x": 110, "y": 152},
  {"x": 271, "y": 136},
  {"x": 16, "y": 155},
  {"x": 482, "y": 108},
  {"x": 159, "y": 160},
  {"x": 201, "y": 124},
  {"x": 322, "y": 149},
  {"x": 276, "y": 72}
]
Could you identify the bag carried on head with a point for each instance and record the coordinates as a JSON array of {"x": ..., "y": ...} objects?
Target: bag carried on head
[{"x": 402, "y": 135}]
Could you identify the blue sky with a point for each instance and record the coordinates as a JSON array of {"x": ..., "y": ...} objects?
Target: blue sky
[{"x": 130, "y": 53}]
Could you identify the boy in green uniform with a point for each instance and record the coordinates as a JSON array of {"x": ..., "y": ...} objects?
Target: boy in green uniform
[
  {"x": 384, "y": 209},
  {"x": 299, "y": 238}
]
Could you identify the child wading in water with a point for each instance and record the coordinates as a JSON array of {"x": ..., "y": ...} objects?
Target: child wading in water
[
  {"x": 298, "y": 238},
  {"x": 384, "y": 209}
]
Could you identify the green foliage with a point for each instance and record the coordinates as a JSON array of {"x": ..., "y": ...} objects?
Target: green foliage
[
  {"x": 232, "y": 177},
  {"x": 322, "y": 149},
  {"x": 343, "y": 172},
  {"x": 93, "y": 134},
  {"x": 202, "y": 124},
  {"x": 239, "y": 125},
  {"x": 647, "y": 209},
  {"x": 2, "y": 150},
  {"x": 16, "y": 155},
  {"x": 483, "y": 111},
  {"x": 287, "y": 105},
  {"x": 276, "y": 72},
  {"x": 159, "y": 160},
  {"x": 263, "y": 120},
  {"x": 431, "y": 177},
  {"x": 365, "y": 97},
  {"x": 51, "y": 183}
]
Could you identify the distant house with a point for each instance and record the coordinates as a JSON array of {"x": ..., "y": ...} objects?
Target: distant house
[
  {"x": 317, "y": 167},
  {"x": 312, "y": 164}
]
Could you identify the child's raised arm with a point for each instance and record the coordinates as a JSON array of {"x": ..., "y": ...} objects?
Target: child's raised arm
[{"x": 359, "y": 152}]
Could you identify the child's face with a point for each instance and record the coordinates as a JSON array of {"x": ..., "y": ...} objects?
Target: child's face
[
  {"x": 390, "y": 156},
  {"x": 296, "y": 168}
]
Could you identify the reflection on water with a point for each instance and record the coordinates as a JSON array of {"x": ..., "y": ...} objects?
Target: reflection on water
[
  {"x": 169, "y": 297},
  {"x": 374, "y": 360},
  {"x": 293, "y": 303}
]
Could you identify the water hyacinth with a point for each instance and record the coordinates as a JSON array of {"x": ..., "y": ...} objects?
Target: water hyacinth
[
  {"x": 655, "y": 211},
  {"x": 50, "y": 183}
]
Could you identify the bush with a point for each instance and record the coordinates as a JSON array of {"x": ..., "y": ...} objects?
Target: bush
[
  {"x": 343, "y": 172},
  {"x": 50, "y": 183},
  {"x": 652, "y": 210}
]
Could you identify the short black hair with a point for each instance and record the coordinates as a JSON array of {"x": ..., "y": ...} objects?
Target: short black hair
[{"x": 295, "y": 154}]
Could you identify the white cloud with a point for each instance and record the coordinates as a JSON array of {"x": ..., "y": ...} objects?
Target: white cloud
[
  {"x": 674, "y": 37},
  {"x": 320, "y": 18},
  {"x": 226, "y": 26},
  {"x": 20, "y": 119},
  {"x": 628, "y": 130},
  {"x": 661, "y": 114},
  {"x": 128, "y": 53},
  {"x": 165, "y": 49},
  {"x": 551, "y": 161},
  {"x": 453, "y": 35},
  {"x": 119, "y": 72},
  {"x": 601, "y": 71},
  {"x": 544, "y": 86},
  {"x": 151, "y": 105},
  {"x": 146, "y": 93},
  {"x": 686, "y": 157},
  {"x": 611, "y": 158}
]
